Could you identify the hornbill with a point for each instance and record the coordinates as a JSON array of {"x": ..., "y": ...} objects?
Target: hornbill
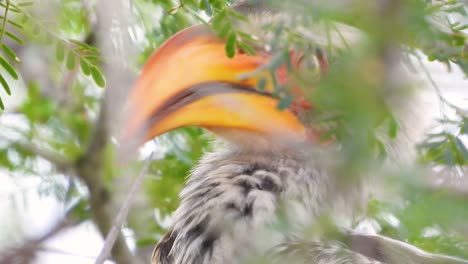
[{"x": 268, "y": 176}]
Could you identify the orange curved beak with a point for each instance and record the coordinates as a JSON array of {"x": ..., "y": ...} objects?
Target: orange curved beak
[{"x": 189, "y": 81}]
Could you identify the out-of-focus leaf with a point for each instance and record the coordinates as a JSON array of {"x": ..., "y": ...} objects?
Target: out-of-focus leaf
[
  {"x": 225, "y": 30},
  {"x": 85, "y": 67},
  {"x": 205, "y": 5},
  {"x": 461, "y": 149},
  {"x": 71, "y": 60},
  {"x": 246, "y": 48},
  {"x": 231, "y": 45},
  {"x": 92, "y": 59},
  {"x": 237, "y": 15},
  {"x": 14, "y": 37},
  {"x": 79, "y": 209},
  {"x": 13, "y": 23},
  {"x": 392, "y": 128},
  {"x": 147, "y": 241},
  {"x": 11, "y": 8},
  {"x": 285, "y": 102},
  {"x": 9, "y": 68},
  {"x": 219, "y": 20},
  {"x": 10, "y": 53},
  {"x": 464, "y": 126},
  {"x": 261, "y": 84},
  {"x": 25, "y": 4},
  {"x": 59, "y": 51},
  {"x": 277, "y": 61},
  {"x": 98, "y": 77},
  {"x": 84, "y": 46},
  {"x": 5, "y": 85}
]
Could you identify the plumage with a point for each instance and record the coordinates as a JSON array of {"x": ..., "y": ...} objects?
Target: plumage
[{"x": 229, "y": 207}]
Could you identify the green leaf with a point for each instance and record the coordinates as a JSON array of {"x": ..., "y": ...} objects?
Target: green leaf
[
  {"x": 13, "y": 23},
  {"x": 231, "y": 45},
  {"x": 204, "y": 5},
  {"x": 92, "y": 58},
  {"x": 381, "y": 151},
  {"x": 448, "y": 156},
  {"x": 219, "y": 20},
  {"x": 5, "y": 85},
  {"x": 10, "y": 53},
  {"x": 464, "y": 126},
  {"x": 217, "y": 4},
  {"x": 2, "y": 106},
  {"x": 59, "y": 51},
  {"x": 14, "y": 37},
  {"x": 97, "y": 76},
  {"x": 146, "y": 241},
  {"x": 25, "y": 4},
  {"x": 238, "y": 15},
  {"x": 225, "y": 30},
  {"x": 12, "y": 8},
  {"x": 85, "y": 67},
  {"x": 261, "y": 84},
  {"x": 78, "y": 208},
  {"x": 277, "y": 60},
  {"x": 392, "y": 128},
  {"x": 246, "y": 48},
  {"x": 246, "y": 36},
  {"x": 9, "y": 68},
  {"x": 285, "y": 102},
  {"x": 84, "y": 46},
  {"x": 71, "y": 60},
  {"x": 461, "y": 27},
  {"x": 173, "y": 10},
  {"x": 462, "y": 149}
]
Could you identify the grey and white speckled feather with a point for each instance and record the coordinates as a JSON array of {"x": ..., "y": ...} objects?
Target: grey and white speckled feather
[{"x": 229, "y": 208}]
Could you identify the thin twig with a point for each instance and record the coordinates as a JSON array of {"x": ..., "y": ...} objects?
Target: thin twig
[
  {"x": 123, "y": 212},
  {"x": 442, "y": 100}
]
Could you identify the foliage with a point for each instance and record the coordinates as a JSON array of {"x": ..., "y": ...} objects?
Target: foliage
[{"x": 71, "y": 51}]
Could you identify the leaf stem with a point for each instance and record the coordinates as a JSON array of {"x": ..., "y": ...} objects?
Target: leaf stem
[{"x": 7, "y": 7}]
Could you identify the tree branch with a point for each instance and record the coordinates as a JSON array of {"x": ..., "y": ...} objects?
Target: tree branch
[
  {"x": 392, "y": 251},
  {"x": 90, "y": 167},
  {"x": 25, "y": 253},
  {"x": 123, "y": 212}
]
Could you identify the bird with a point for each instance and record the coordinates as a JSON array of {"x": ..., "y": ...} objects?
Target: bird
[{"x": 268, "y": 176}]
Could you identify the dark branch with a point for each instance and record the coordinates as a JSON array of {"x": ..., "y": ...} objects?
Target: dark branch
[
  {"x": 391, "y": 251},
  {"x": 26, "y": 252}
]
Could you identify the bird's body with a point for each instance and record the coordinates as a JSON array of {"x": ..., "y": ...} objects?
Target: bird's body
[{"x": 230, "y": 208}]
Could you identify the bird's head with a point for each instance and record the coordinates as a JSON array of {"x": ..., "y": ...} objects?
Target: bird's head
[{"x": 189, "y": 81}]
